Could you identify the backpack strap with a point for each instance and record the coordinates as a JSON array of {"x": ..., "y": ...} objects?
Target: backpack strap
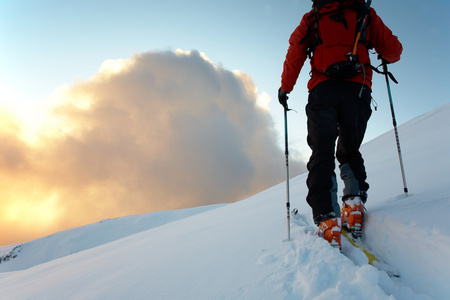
[
  {"x": 363, "y": 38},
  {"x": 314, "y": 40},
  {"x": 312, "y": 32},
  {"x": 361, "y": 25}
]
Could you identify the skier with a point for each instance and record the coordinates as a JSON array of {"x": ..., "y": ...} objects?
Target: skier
[{"x": 338, "y": 104}]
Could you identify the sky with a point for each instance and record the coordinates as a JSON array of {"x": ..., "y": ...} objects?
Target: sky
[{"x": 83, "y": 86}]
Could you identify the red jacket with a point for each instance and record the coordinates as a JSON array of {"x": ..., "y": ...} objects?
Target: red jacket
[{"x": 384, "y": 42}]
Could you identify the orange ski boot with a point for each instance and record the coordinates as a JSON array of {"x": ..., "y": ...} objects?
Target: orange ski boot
[
  {"x": 352, "y": 215},
  {"x": 330, "y": 230}
]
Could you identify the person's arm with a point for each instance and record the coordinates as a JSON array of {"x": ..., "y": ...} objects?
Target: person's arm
[
  {"x": 384, "y": 42},
  {"x": 295, "y": 57}
]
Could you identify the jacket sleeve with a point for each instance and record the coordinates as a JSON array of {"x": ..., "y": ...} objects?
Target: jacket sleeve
[
  {"x": 385, "y": 43},
  {"x": 295, "y": 57}
]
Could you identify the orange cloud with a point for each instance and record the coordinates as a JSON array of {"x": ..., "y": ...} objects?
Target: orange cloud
[{"x": 158, "y": 131}]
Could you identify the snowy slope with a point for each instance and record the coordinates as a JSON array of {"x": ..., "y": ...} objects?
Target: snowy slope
[
  {"x": 85, "y": 237},
  {"x": 239, "y": 250},
  {"x": 412, "y": 233}
]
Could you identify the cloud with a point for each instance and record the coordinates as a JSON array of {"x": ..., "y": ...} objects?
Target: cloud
[{"x": 158, "y": 131}]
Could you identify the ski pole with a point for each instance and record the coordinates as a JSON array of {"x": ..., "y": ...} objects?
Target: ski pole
[
  {"x": 387, "y": 74},
  {"x": 288, "y": 204}
]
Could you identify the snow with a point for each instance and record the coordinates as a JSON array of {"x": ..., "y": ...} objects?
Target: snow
[
  {"x": 240, "y": 250},
  {"x": 89, "y": 236}
]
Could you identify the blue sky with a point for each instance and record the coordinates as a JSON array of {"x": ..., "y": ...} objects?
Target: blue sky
[{"x": 48, "y": 43}]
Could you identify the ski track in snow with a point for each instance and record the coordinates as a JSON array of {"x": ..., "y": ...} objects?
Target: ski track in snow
[{"x": 240, "y": 250}]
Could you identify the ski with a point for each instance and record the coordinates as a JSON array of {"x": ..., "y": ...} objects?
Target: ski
[
  {"x": 357, "y": 242},
  {"x": 372, "y": 259}
]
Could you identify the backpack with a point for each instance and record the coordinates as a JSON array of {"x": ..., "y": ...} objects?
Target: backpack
[{"x": 333, "y": 36}]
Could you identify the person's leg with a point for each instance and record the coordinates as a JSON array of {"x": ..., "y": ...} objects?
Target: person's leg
[
  {"x": 354, "y": 113},
  {"x": 322, "y": 116}
]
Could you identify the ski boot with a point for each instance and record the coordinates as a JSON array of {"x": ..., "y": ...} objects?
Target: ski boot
[
  {"x": 352, "y": 214},
  {"x": 330, "y": 230}
]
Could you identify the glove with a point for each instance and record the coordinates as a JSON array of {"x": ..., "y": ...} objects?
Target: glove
[{"x": 282, "y": 98}]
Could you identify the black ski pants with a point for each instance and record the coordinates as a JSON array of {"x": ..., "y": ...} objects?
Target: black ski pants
[{"x": 335, "y": 110}]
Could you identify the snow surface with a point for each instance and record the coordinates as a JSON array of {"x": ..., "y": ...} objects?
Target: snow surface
[{"x": 240, "y": 250}]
